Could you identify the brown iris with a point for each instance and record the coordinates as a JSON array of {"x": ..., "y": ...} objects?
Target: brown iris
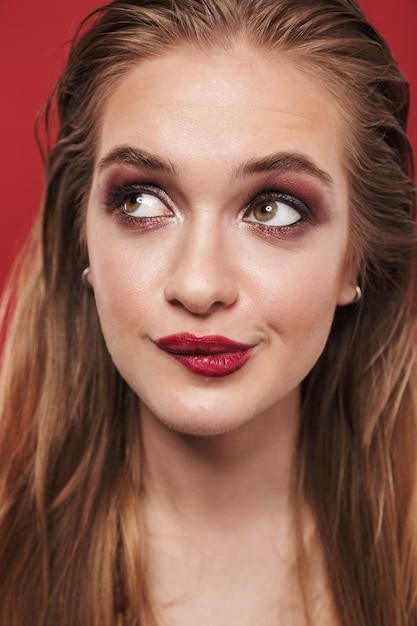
[
  {"x": 132, "y": 203},
  {"x": 264, "y": 211}
]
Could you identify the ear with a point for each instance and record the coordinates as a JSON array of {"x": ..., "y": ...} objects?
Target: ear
[
  {"x": 349, "y": 294},
  {"x": 86, "y": 278},
  {"x": 348, "y": 285}
]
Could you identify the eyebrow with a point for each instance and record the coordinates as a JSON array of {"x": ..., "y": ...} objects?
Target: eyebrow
[
  {"x": 284, "y": 162},
  {"x": 137, "y": 158},
  {"x": 281, "y": 161}
]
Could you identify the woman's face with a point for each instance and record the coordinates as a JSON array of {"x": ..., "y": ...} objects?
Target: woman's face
[{"x": 217, "y": 231}]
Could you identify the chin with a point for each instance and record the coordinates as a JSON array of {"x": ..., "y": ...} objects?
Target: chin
[{"x": 199, "y": 424}]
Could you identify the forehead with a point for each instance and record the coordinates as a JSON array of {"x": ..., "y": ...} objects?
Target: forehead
[{"x": 191, "y": 106}]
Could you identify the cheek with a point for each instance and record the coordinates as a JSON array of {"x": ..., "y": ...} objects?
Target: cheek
[
  {"x": 125, "y": 254},
  {"x": 126, "y": 281},
  {"x": 299, "y": 297}
]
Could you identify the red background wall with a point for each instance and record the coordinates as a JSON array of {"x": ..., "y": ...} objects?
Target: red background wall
[{"x": 33, "y": 36}]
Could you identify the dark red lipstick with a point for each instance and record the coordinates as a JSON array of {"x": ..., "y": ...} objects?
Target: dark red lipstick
[{"x": 211, "y": 355}]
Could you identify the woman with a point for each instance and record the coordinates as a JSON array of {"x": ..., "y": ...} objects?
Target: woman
[{"x": 208, "y": 400}]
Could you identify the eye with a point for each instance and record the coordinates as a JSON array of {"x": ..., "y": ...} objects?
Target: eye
[
  {"x": 275, "y": 209},
  {"x": 144, "y": 204}
]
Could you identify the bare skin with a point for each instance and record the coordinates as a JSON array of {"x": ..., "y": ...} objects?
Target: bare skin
[{"x": 222, "y": 544}]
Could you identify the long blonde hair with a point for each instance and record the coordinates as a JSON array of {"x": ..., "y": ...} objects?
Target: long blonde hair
[{"x": 71, "y": 537}]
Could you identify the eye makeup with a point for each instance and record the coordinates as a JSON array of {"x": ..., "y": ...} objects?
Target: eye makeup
[
  {"x": 299, "y": 201},
  {"x": 266, "y": 199},
  {"x": 122, "y": 188},
  {"x": 303, "y": 192}
]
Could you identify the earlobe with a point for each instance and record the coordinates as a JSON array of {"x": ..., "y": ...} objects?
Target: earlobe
[
  {"x": 85, "y": 278},
  {"x": 358, "y": 295},
  {"x": 350, "y": 294},
  {"x": 350, "y": 291}
]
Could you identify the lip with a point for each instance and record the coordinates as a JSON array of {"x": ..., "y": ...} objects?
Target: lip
[{"x": 210, "y": 355}]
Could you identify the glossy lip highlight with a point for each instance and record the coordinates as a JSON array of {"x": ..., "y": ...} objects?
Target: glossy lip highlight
[{"x": 210, "y": 355}]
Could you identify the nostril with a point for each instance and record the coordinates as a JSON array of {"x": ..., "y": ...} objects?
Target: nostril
[
  {"x": 200, "y": 290},
  {"x": 197, "y": 308}
]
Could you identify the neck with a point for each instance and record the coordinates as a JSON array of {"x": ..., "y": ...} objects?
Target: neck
[{"x": 221, "y": 479}]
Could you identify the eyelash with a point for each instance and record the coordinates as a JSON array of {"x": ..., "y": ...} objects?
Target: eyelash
[
  {"x": 119, "y": 196},
  {"x": 272, "y": 194}
]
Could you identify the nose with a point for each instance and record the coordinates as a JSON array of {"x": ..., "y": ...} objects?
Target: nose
[{"x": 202, "y": 280}]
